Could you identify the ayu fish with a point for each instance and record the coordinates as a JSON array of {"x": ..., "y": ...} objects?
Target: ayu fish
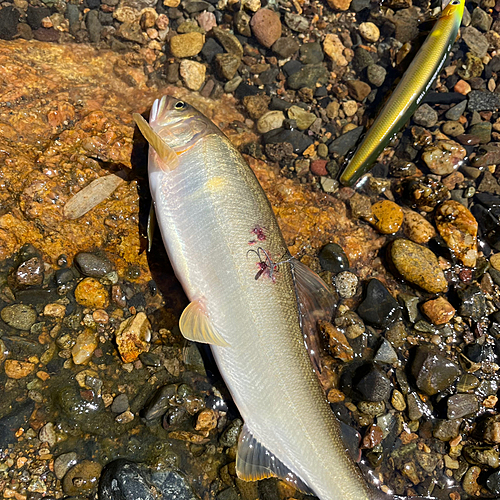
[
  {"x": 250, "y": 301},
  {"x": 409, "y": 92}
]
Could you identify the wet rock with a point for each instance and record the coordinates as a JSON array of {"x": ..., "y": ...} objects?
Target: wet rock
[
  {"x": 346, "y": 284},
  {"x": 398, "y": 400},
  {"x": 358, "y": 90},
  {"x": 229, "y": 41},
  {"x": 192, "y": 73},
  {"x": 285, "y": 47},
  {"x": 372, "y": 383},
  {"x": 345, "y": 142},
  {"x": 92, "y": 294},
  {"x": 481, "y": 20},
  {"x": 489, "y": 184},
  {"x": 29, "y": 273},
  {"x": 93, "y": 265},
  {"x": 456, "y": 111},
  {"x": 206, "y": 421},
  {"x": 444, "y": 157},
  {"x": 351, "y": 324},
  {"x": 482, "y": 455},
  {"x": 369, "y": 32},
  {"x": 187, "y": 44},
  {"x": 439, "y": 311},
  {"x": 9, "y": 19},
  {"x": 303, "y": 118},
  {"x": 311, "y": 53},
  {"x": 417, "y": 228},
  {"x": 230, "y": 435},
  {"x": 433, "y": 372},
  {"x": 373, "y": 437},
  {"x": 266, "y": 26},
  {"x": 469, "y": 482},
  {"x": 424, "y": 193},
  {"x": 379, "y": 308},
  {"x": 425, "y": 116},
  {"x": 210, "y": 49},
  {"x": 19, "y": 316},
  {"x": 473, "y": 302},
  {"x": 270, "y": 121},
  {"x": 339, "y": 4},
  {"x": 387, "y": 216},
  {"x": 493, "y": 483},
  {"x": 337, "y": 341},
  {"x": 308, "y": 76},
  {"x": 133, "y": 336},
  {"x": 334, "y": 49},
  {"x": 47, "y": 434},
  {"x": 467, "y": 383},
  {"x": 86, "y": 344},
  {"x": 482, "y": 132},
  {"x": 475, "y": 40},
  {"x": 227, "y": 65},
  {"x": 120, "y": 404},
  {"x": 386, "y": 353},
  {"x": 160, "y": 402},
  {"x": 417, "y": 265},
  {"x": 453, "y": 128},
  {"x": 481, "y": 100},
  {"x": 18, "y": 369},
  {"x": 461, "y": 405},
  {"x": 123, "y": 480},
  {"x": 446, "y": 430},
  {"x": 15, "y": 418},
  {"x": 63, "y": 463},
  {"x": 296, "y": 22},
  {"x": 82, "y": 478},
  {"x": 458, "y": 227},
  {"x": 376, "y": 74}
]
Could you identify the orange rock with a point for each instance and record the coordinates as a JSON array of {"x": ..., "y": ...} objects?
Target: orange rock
[
  {"x": 458, "y": 228},
  {"x": 18, "y": 369},
  {"x": 388, "y": 216},
  {"x": 439, "y": 310},
  {"x": 92, "y": 294},
  {"x": 417, "y": 228},
  {"x": 206, "y": 421},
  {"x": 133, "y": 336},
  {"x": 338, "y": 344},
  {"x": 462, "y": 87}
]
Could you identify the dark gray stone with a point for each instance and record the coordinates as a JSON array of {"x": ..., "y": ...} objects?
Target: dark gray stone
[
  {"x": 379, "y": 308},
  {"x": 333, "y": 258},
  {"x": 482, "y": 100},
  {"x": 460, "y": 405},
  {"x": 308, "y": 76},
  {"x": 93, "y": 265},
  {"x": 9, "y": 19},
  {"x": 473, "y": 302},
  {"x": 372, "y": 383},
  {"x": 160, "y": 402},
  {"x": 343, "y": 144}
]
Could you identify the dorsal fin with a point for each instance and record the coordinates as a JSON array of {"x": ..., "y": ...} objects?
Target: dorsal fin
[
  {"x": 254, "y": 462},
  {"x": 164, "y": 151},
  {"x": 316, "y": 302}
]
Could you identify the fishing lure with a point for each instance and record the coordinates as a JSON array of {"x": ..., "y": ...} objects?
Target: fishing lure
[{"x": 409, "y": 93}]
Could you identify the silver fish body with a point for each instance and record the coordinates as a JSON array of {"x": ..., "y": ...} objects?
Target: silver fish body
[{"x": 223, "y": 241}]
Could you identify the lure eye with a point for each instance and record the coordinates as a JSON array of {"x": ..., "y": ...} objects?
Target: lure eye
[
  {"x": 455, "y": 2},
  {"x": 179, "y": 105}
]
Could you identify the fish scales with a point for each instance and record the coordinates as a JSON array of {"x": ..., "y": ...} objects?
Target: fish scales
[{"x": 216, "y": 222}]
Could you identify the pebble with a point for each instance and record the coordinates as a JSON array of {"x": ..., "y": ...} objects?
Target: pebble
[
  {"x": 369, "y": 31},
  {"x": 318, "y": 167},
  {"x": 308, "y": 76},
  {"x": 94, "y": 26},
  {"x": 285, "y": 47},
  {"x": 462, "y": 87},
  {"x": 270, "y": 121},
  {"x": 266, "y": 26},
  {"x": 387, "y": 216},
  {"x": 47, "y": 434},
  {"x": 458, "y": 227},
  {"x": 9, "y": 19},
  {"x": 358, "y": 90},
  {"x": 82, "y": 478},
  {"x": 386, "y": 353},
  {"x": 446, "y": 430},
  {"x": 333, "y": 258},
  {"x": 439, "y": 310},
  {"x": 343, "y": 144},
  {"x": 227, "y": 65},
  {"x": 372, "y": 383},
  {"x": 433, "y": 372},
  {"x": 398, "y": 400},
  {"x": 334, "y": 49},
  {"x": 346, "y": 284},
  {"x": 455, "y": 112},
  {"x": 133, "y": 336},
  {"x": 473, "y": 302},
  {"x": 475, "y": 40},
  {"x": 187, "y": 44},
  {"x": 351, "y": 324},
  {"x": 482, "y": 100},
  {"x": 469, "y": 481},
  {"x": 256, "y": 105},
  {"x": 493, "y": 483},
  {"x": 418, "y": 265},
  {"x": 425, "y": 116},
  {"x": 480, "y": 455},
  {"x": 495, "y": 261},
  {"x": 350, "y": 108},
  {"x": 92, "y": 294},
  {"x": 417, "y": 228},
  {"x": 19, "y": 316},
  {"x": 206, "y": 421},
  {"x": 93, "y": 265},
  {"x": 444, "y": 157},
  {"x": 453, "y": 128},
  {"x": 29, "y": 273},
  {"x": 339, "y": 4},
  {"x": 18, "y": 369},
  {"x": 376, "y": 74},
  {"x": 63, "y": 463},
  {"x": 481, "y": 131},
  {"x": 311, "y": 53},
  {"x": 379, "y": 308},
  {"x": 86, "y": 344},
  {"x": 160, "y": 402},
  {"x": 229, "y": 41},
  {"x": 193, "y": 74},
  {"x": 461, "y": 405},
  {"x": 303, "y": 118},
  {"x": 481, "y": 20},
  {"x": 338, "y": 344}
]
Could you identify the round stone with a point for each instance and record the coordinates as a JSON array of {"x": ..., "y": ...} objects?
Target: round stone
[
  {"x": 369, "y": 32},
  {"x": 90, "y": 293},
  {"x": 19, "y": 316},
  {"x": 387, "y": 216}
]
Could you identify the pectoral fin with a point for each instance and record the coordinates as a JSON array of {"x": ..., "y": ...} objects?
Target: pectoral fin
[
  {"x": 165, "y": 152},
  {"x": 196, "y": 325},
  {"x": 254, "y": 462}
]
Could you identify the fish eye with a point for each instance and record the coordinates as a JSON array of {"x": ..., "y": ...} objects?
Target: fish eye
[
  {"x": 180, "y": 105},
  {"x": 455, "y": 2}
]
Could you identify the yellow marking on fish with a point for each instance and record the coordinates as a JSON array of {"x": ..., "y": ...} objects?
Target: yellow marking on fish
[{"x": 216, "y": 184}]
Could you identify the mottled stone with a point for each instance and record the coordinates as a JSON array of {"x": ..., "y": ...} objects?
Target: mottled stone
[
  {"x": 444, "y": 157},
  {"x": 418, "y": 265},
  {"x": 29, "y": 272},
  {"x": 334, "y": 49},
  {"x": 92, "y": 294},
  {"x": 86, "y": 344},
  {"x": 82, "y": 478},
  {"x": 19, "y": 316},
  {"x": 458, "y": 227},
  {"x": 358, "y": 90},
  {"x": 387, "y": 216},
  {"x": 193, "y": 73},
  {"x": 18, "y": 369},
  {"x": 132, "y": 337},
  {"x": 186, "y": 44},
  {"x": 425, "y": 116},
  {"x": 346, "y": 284},
  {"x": 303, "y": 118},
  {"x": 369, "y": 32},
  {"x": 266, "y": 26},
  {"x": 439, "y": 311},
  {"x": 417, "y": 228}
]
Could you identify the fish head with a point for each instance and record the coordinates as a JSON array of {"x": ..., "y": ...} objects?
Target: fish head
[
  {"x": 453, "y": 9},
  {"x": 178, "y": 123}
]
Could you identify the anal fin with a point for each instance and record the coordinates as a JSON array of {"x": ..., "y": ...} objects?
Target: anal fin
[
  {"x": 195, "y": 325},
  {"x": 255, "y": 462}
]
